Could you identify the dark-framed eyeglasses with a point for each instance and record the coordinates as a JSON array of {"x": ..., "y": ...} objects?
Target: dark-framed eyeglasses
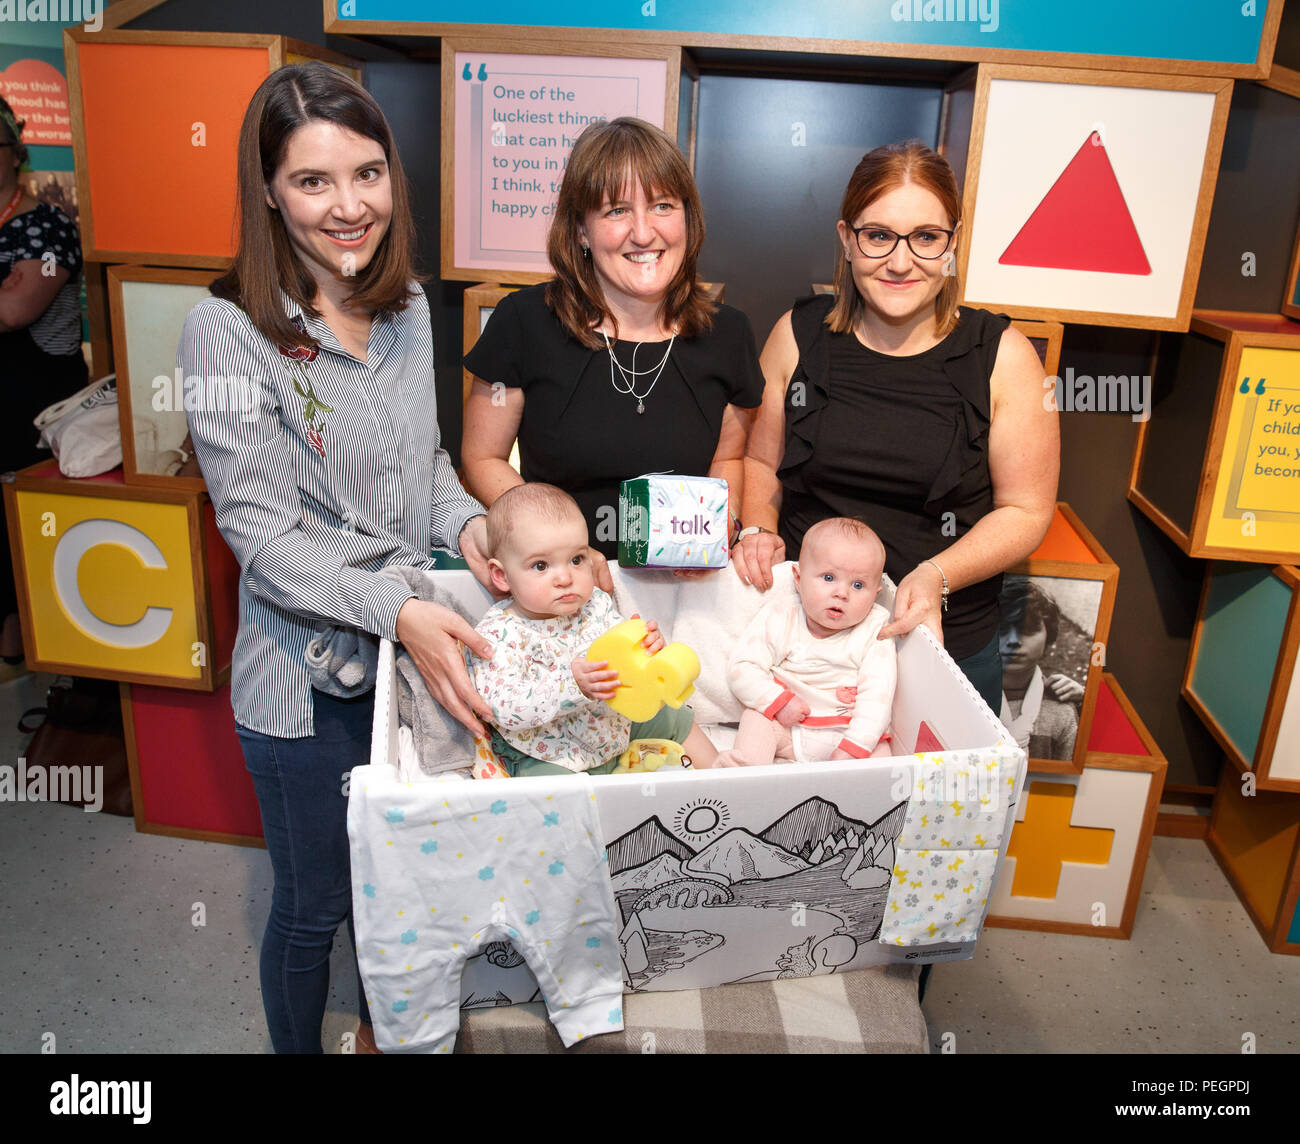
[{"x": 926, "y": 242}]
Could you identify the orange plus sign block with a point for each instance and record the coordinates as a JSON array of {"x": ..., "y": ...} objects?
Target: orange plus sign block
[{"x": 1045, "y": 840}]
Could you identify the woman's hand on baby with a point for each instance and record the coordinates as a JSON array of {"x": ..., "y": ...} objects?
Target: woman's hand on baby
[
  {"x": 600, "y": 569},
  {"x": 473, "y": 547},
  {"x": 796, "y": 711},
  {"x": 916, "y": 602},
  {"x": 1065, "y": 689},
  {"x": 595, "y": 679},
  {"x": 753, "y": 557},
  {"x": 430, "y": 633}
]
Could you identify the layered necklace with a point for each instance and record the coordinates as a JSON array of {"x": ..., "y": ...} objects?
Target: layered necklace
[{"x": 629, "y": 376}]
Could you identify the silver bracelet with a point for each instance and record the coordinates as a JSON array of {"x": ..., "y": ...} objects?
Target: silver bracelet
[{"x": 943, "y": 596}]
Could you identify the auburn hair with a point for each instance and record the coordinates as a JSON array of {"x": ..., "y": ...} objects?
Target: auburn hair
[
  {"x": 265, "y": 260},
  {"x": 606, "y": 159},
  {"x": 881, "y": 171}
]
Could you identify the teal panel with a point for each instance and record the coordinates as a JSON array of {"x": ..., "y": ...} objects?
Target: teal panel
[
  {"x": 1294, "y": 935},
  {"x": 1240, "y": 640}
]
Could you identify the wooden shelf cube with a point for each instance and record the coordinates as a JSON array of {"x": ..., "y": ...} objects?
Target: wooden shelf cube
[
  {"x": 1241, "y": 677},
  {"x": 1216, "y": 466}
]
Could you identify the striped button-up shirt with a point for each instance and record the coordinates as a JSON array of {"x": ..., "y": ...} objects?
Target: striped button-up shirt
[{"x": 321, "y": 472}]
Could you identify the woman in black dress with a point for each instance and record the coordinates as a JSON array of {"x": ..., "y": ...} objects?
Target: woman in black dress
[
  {"x": 620, "y": 365},
  {"x": 889, "y": 402}
]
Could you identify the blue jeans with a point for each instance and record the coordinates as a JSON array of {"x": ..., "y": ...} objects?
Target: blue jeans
[
  {"x": 984, "y": 670},
  {"x": 299, "y": 784}
]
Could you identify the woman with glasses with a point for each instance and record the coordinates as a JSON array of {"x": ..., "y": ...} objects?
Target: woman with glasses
[
  {"x": 40, "y": 326},
  {"x": 889, "y": 402}
]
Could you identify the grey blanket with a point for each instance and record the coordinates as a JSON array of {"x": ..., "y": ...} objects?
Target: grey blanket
[{"x": 343, "y": 661}]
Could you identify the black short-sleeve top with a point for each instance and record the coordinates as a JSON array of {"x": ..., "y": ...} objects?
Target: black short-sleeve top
[
  {"x": 580, "y": 428},
  {"x": 900, "y": 442},
  {"x": 45, "y": 233}
]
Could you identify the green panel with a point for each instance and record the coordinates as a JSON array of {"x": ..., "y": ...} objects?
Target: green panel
[{"x": 1240, "y": 639}]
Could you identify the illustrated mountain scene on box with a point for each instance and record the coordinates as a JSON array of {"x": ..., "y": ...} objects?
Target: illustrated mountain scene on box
[{"x": 799, "y": 897}]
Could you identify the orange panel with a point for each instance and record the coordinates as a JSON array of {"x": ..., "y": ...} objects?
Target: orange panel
[
  {"x": 1257, "y": 836},
  {"x": 1045, "y": 839},
  {"x": 1063, "y": 543},
  {"x": 152, "y": 188}
]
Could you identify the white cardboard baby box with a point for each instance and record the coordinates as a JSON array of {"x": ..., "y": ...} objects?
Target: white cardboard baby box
[{"x": 717, "y": 876}]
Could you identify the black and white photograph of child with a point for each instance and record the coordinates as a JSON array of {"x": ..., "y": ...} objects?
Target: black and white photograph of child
[{"x": 1045, "y": 639}]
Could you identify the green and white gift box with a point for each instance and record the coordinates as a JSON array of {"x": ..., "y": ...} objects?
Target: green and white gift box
[{"x": 669, "y": 521}]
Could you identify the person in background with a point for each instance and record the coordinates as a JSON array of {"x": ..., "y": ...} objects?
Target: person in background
[{"x": 40, "y": 328}]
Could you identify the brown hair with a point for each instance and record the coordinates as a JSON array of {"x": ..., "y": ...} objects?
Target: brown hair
[
  {"x": 13, "y": 132},
  {"x": 880, "y": 172},
  {"x": 604, "y": 158},
  {"x": 265, "y": 261},
  {"x": 533, "y": 499}
]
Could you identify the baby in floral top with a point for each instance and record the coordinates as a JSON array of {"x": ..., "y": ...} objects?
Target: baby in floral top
[{"x": 547, "y": 699}]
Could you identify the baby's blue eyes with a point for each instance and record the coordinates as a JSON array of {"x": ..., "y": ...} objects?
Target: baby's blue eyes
[
  {"x": 830, "y": 579},
  {"x": 859, "y": 585}
]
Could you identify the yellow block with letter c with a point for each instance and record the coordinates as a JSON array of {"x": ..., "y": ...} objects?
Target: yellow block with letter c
[{"x": 111, "y": 583}]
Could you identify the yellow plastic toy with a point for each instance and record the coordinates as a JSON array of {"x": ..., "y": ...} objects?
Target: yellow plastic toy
[
  {"x": 645, "y": 682},
  {"x": 645, "y": 755}
]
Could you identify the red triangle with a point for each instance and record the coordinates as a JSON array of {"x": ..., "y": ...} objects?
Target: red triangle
[
  {"x": 1082, "y": 223},
  {"x": 927, "y": 740}
]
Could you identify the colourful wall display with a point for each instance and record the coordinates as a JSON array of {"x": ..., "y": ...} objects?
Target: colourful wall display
[
  {"x": 1087, "y": 194},
  {"x": 202, "y": 791},
  {"x": 1241, "y": 678},
  {"x": 1056, "y": 611},
  {"x": 181, "y": 156},
  {"x": 1079, "y": 848},
  {"x": 1217, "y": 466},
  {"x": 1256, "y": 839},
  {"x": 510, "y": 119},
  {"x": 120, "y": 582},
  {"x": 1201, "y": 36}
]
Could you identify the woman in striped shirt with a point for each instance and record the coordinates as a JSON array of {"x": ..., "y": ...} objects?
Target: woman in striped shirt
[{"x": 310, "y": 397}]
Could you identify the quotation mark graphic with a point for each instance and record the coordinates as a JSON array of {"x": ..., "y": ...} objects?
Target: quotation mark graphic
[
  {"x": 468, "y": 72},
  {"x": 1245, "y": 385}
]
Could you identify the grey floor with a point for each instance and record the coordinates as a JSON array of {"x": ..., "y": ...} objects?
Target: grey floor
[{"x": 99, "y": 949}]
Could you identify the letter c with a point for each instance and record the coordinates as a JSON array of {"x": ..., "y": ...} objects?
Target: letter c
[{"x": 72, "y": 546}]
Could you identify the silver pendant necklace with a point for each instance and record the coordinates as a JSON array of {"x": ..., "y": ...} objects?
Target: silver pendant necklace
[{"x": 629, "y": 376}]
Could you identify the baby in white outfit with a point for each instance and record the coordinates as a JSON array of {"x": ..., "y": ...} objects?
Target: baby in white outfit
[{"x": 816, "y": 681}]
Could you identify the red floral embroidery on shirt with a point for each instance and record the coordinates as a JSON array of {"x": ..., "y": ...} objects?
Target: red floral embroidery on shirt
[{"x": 313, "y": 407}]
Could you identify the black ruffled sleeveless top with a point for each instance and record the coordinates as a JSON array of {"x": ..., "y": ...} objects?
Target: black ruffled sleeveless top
[{"x": 900, "y": 442}]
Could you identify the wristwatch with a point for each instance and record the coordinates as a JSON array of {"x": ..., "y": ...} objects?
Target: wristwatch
[{"x": 749, "y": 530}]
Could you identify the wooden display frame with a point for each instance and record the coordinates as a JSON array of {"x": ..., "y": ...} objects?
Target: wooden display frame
[
  {"x": 278, "y": 50},
  {"x": 672, "y": 57},
  {"x": 208, "y": 555},
  {"x": 1221, "y": 89},
  {"x": 890, "y": 50},
  {"x": 1053, "y": 333},
  {"x": 143, "y": 825},
  {"x": 117, "y": 275},
  {"x": 1291, "y": 298},
  {"x": 1232, "y": 838},
  {"x": 1231, "y": 329},
  {"x": 1261, "y": 763},
  {"x": 1153, "y": 763},
  {"x": 1105, "y": 571}
]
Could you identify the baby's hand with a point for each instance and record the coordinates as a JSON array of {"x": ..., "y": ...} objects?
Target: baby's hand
[
  {"x": 594, "y": 679},
  {"x": 1065, "y": 689},
  {"x": 654, "y": 640},
  {"x": 848, "y": 696},
  {"x": 796, "y": 711},
  {"x": 837, "y": 755}
]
